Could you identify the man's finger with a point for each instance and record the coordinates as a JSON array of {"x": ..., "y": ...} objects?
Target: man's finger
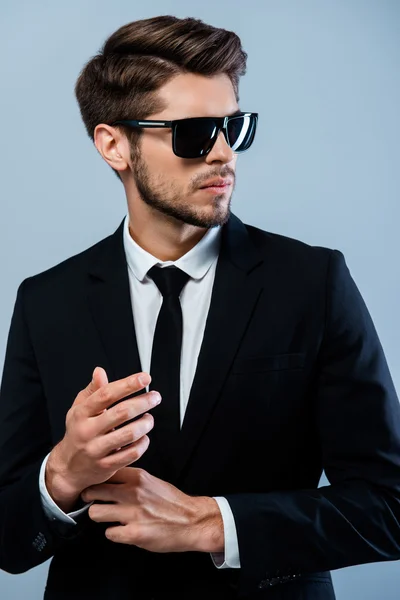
[
  {"x": 123, "y": 475},
  {"x": 98, "y": 492},
  {"x": 119, "y": 534},
  {"x": 99, "y": 378},
  {"x": 107, "y": 395}
]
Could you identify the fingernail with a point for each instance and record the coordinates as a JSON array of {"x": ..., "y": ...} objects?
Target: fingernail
[
  {"x": 156, "y": 397},
  {"x": 144, "y": 379}
]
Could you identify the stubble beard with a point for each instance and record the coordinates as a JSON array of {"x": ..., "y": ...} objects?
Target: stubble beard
[{"x": 172, "y": 204}]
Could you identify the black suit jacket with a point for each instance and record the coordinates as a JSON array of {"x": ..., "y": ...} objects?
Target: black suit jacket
[{"x": 291, "y": 379}]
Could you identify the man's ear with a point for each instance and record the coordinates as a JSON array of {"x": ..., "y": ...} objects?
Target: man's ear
[{"x": 113, "y": 146}]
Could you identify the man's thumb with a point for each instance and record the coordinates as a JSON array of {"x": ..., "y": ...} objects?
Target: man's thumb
[{"x": 99, "y": 378}]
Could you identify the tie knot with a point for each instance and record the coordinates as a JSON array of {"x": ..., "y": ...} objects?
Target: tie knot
[{"x": 169, "y": 280}]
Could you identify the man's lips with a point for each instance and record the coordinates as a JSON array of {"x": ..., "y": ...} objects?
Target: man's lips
[
  {"x": 216, "y": 182},
  {"x": 215, "y": 188}
]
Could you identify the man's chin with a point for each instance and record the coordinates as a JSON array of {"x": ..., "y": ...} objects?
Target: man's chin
[
  {"x": 215, "y": 219},
  {"x": 213, "y": 215}
]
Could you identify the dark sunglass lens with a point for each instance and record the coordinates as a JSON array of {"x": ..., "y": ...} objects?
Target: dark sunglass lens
[
  {"x": 193, "y": 137},
  {"x": 241, "y": 131}
]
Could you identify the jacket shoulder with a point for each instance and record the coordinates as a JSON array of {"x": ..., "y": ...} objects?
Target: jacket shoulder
[
  {"x": 286, "y": 247},
  {"x": 68, "y": 271}
]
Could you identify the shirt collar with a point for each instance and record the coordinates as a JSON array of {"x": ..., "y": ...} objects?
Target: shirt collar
[{"x": 195, "y": 263}]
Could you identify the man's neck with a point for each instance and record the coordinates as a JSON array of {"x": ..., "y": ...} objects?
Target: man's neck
[{"x": 167, "y": 247}]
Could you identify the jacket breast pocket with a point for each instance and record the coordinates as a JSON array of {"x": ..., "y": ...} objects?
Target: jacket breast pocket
[{"x": 271, "y": 362}]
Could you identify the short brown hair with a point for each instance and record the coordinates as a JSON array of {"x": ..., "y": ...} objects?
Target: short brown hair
[{"x": 140, "y": 57}]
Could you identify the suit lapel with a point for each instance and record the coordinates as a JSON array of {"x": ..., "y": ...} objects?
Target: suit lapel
[
  {"x": 235, "y": 293},
  {"x": 110, "y": 304},
  {"x": 234, "y": 296}
]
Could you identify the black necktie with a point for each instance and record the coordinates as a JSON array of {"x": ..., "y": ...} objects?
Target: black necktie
[{"x": 165, "y": 364}]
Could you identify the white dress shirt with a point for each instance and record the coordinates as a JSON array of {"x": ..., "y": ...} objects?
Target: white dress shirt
[{"x": 200, "y": 264}]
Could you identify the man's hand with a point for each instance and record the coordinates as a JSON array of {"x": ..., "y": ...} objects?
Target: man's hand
[
  {"x": 95, "y": 445},
  {"x": 155, "y": 515}
]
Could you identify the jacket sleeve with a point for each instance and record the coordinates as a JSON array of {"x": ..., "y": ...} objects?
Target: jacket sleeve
[
  {"x": 355, "y": 519},
  {"x": 28, "y": 537}
]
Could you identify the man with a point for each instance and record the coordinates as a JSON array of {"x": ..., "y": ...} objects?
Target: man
[{"x": 262, "y": 351}]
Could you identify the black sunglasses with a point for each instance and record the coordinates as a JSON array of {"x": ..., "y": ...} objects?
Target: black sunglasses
[{"x": 195, "y": 137}]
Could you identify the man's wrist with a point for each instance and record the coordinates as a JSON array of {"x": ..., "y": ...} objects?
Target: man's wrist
[
  {"x": 208, "y": 526},
  {"x": 63, "y": 494}
]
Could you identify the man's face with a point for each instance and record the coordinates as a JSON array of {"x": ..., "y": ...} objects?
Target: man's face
[{"x": 170, "y": 184}]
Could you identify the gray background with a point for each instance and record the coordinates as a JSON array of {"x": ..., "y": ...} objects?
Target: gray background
[{"x": 324, "y": 168}]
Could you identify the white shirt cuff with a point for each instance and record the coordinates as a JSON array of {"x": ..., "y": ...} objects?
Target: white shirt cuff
[
  {"x": 230, "y": 558},
  {"x": 51, "y": 509}
]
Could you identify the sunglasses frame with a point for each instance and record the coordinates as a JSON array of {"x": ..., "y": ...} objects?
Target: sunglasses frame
[{"x": 220, "y": 123}]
